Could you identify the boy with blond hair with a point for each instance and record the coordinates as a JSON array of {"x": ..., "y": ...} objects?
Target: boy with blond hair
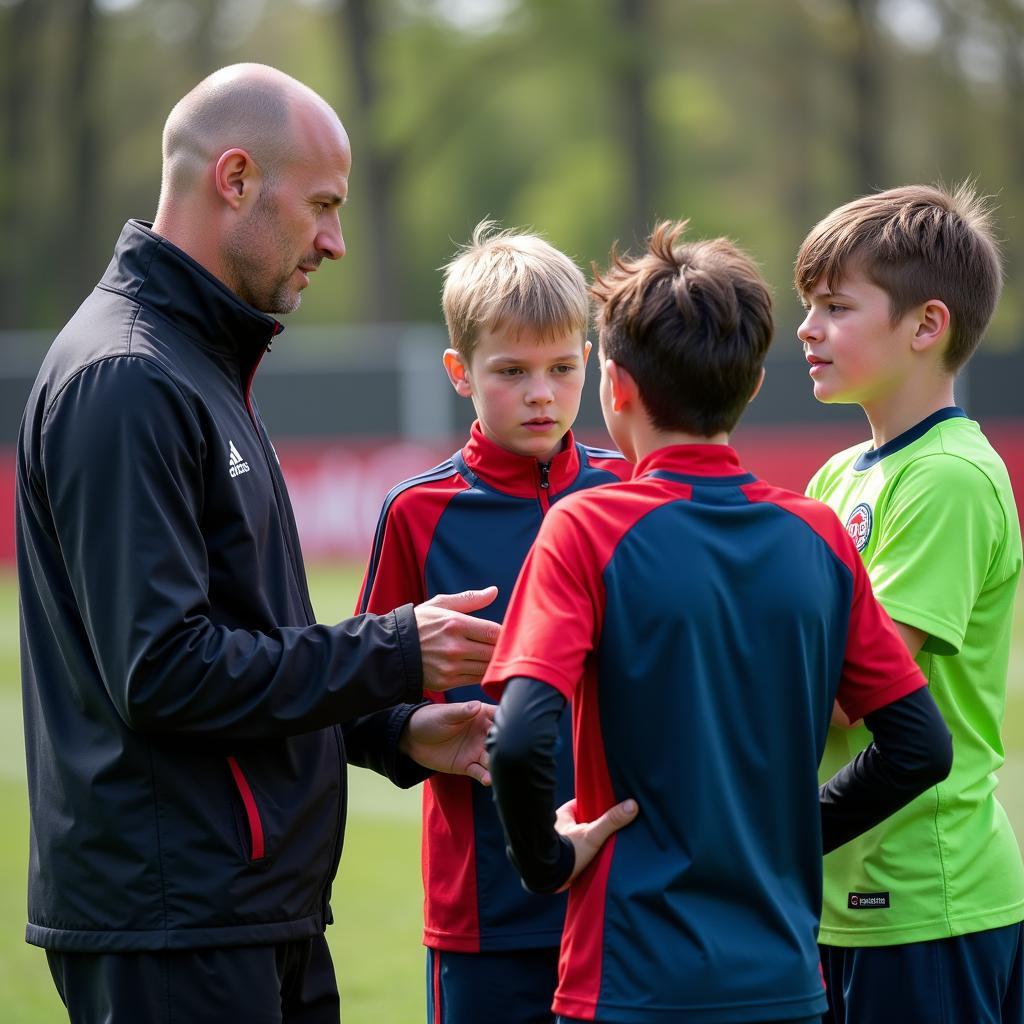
[
  {"x": 702, "y": 622},
  {"x": 922, "y": 915},
  {"x": 517, "y": 314}
]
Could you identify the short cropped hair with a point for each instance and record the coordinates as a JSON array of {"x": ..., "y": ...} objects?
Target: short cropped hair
[
  {"x": 917, "y": 242},
  {"x": 511, "y": 278},
  {"x": 691, "y": 323}
]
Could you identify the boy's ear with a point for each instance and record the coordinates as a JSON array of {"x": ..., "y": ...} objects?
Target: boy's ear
[
  {"x": 623, "y": 388},
  {"x": 757, "y": 386},
  {"x": 587, "y": 346},
  {"x": 457, "y": 372},
  {"x": 932, "y": 324}
]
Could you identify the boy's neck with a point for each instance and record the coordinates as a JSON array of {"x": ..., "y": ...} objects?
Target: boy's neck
[
  {"x": 909, "y": 405},
  {"x": 647, "y": 441}
]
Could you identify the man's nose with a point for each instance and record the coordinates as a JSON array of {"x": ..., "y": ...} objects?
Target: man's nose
[{"x": 331, "y": 242}]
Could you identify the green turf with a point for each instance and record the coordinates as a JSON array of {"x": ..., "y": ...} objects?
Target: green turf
[{"x": 377, "y": 901}]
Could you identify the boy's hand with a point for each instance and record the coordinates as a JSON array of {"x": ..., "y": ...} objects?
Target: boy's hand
[
  {"x": 450, "y": 738},
  {"x": 839, "y": 717},
  {"x": 587, "y": 837},
  {"x": 455, "y": 646}
]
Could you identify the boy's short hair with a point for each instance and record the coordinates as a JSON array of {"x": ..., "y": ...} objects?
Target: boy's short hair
[
  {"x": 691, "y": 323},
  {"x": 511, "y": 277},
  {"x": 917, "y": 242}
]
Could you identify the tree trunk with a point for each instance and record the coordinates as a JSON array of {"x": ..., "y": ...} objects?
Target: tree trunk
[
  {"x": 83, "y": 172},
  {"x": 867, "y": 136},
  {"x": 21, "y": 59},
  {"x": 633, "y": 17},
  {"x": 375, "y": 170}
]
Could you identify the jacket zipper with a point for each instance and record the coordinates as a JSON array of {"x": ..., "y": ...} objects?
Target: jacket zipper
[
  {"x": 252, "y": 812},
  {"x": 343, "y": 782},
  {"x": 246, "y": 395},
  {"x": 544, "y": 490}
]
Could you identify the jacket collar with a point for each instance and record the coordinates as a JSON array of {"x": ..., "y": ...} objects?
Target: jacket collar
[
  {"x": 163, "y": 278},
  {"x": 519, "y": 475},
  {"x": 692, "y": 460}
]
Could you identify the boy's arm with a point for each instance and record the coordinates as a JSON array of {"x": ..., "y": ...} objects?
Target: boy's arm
[
  {"x": 914, "y": 640},
  {"x": 393, "y": 577},
  {"x": 548, "y": 848},
  {"x": 941, "y": 532},
  {"x": 911, "y": 750}
]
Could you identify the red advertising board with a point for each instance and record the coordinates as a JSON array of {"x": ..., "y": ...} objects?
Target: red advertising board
[{"x": 337, "y": 486}]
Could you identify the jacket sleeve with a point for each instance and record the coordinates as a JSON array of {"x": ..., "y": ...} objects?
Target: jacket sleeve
[
  {"x": 122, "y": 452},
  {"x": 394, "y": 576}
]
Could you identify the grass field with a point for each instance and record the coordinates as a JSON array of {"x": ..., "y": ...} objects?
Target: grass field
[{"x": 375, "y": 938}]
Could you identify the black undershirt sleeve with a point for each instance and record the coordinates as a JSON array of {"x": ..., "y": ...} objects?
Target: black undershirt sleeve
[
  {"x": 522, "y": 746},
  {"x": 911, "y": 750}
]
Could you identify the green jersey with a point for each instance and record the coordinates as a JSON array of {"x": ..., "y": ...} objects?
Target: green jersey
[{"x": 934, "y": 519}]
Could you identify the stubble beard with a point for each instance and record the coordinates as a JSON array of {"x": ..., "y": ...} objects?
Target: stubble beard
[{"x": 250, "y": 278}]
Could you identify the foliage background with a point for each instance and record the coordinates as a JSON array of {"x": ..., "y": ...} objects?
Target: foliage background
[{"x": 587, "y": 119}]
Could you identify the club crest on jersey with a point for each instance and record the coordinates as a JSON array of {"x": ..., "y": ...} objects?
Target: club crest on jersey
[{"x": 858, "y": 525}]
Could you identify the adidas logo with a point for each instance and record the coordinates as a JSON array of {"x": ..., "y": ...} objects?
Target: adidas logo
[{"x": 237, "y": 465}]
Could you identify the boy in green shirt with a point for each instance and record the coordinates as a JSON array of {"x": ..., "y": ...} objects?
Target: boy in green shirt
[{"x": 922, "y": 914}]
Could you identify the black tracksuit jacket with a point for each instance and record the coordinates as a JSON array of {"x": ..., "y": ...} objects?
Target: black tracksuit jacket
[{"x": 186, "y": 773}]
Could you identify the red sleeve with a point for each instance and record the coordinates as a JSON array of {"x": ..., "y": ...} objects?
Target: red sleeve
[
  {"x": 554, "y": 614},
  {"x": 877, "y": 667}
]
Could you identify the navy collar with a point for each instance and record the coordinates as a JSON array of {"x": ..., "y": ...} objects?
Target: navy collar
[{"x": 875, "y": 455}]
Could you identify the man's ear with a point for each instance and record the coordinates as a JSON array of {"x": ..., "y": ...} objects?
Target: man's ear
[
  {"x": 757, "y": 386},
  {"x": 932, "y": 324},
  {"x": 457, "y": 372},
  {"x": 236, "y": 177},
  {"x": 623, "y": 388}
]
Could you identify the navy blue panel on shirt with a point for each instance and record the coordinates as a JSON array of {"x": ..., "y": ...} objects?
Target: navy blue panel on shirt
[
  {"x": 711, "y": 632},
  {"x": 483, "y": 537}
]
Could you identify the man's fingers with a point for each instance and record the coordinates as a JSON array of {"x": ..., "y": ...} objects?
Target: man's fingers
[
  {"x": 481, "y": 774},
  {"x": 467, "y": 601}
]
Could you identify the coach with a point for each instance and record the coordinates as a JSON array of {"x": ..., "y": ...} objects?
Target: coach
[{"x": 186, "y": 769}]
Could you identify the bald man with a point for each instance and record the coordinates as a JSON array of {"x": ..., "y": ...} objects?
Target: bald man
[{"x": 185, "y": 762}]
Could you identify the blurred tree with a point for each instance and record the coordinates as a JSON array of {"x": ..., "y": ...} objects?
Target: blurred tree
[
  {"x": 359, "y": 35},
  {"x": 83, "y": 180},
  {"x": 586, "y": 119},
  {"x": 21, "y": 24},
  {"x": 869, "y": 125}
]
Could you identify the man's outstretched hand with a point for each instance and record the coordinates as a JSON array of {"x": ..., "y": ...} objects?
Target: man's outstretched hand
[
  {"x": 455, "y": 646},
  {"x": 587, "y": 837},
  {"x": 450, "y": 738}
]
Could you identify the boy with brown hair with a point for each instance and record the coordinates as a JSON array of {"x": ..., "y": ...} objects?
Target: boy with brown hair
[
  {"x": 922, "y": 915},
  {"x": 702, "y": 622},
  {"x": 517, "y": 314}
]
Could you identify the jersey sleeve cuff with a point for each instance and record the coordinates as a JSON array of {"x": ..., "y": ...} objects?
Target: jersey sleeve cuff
[
  {"x": 412, "y": 659},
  {"x": 499, "y": 674},
  {"x": 943, "y": 637},
  {"x": 856, "y": 710}
]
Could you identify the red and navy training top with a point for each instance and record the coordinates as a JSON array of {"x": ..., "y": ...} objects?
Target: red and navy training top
[
  {"x": 467, "y": 524},
  {"x": 702, "y": 622}
]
